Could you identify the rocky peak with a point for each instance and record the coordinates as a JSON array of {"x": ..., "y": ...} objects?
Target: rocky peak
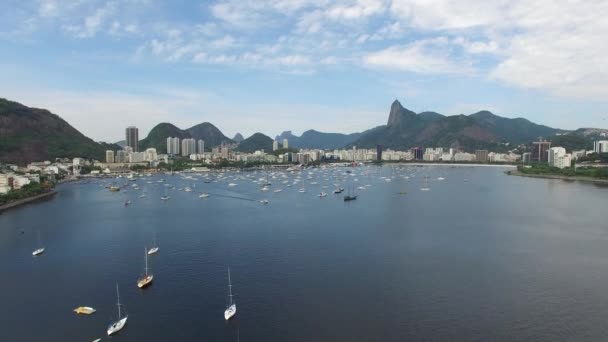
[{"x": 398, "y": 114}]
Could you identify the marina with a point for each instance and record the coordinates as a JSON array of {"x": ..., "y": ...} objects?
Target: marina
[{"x": 323, "y": 260}]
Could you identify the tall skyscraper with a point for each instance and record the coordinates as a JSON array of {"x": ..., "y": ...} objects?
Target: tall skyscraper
[
  {"x": 132, "y": 138},
  {"x": 173, "y": 146},
  {"x": 285, "y": 143},
  {"x": 540, "y": 151},
  {"x": 201, "y": 146},
  {"x": 188, "y": 147},
  {"x": 109, "y": 156},
  {"x": 275, "y": 145},
  {"x": 378, "y": 153}
]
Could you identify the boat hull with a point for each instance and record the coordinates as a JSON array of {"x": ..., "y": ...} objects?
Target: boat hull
[
  {"x": 230, "y": 312},
  {"x": 145, "y": 282},
  {"x": 117, "y": 326}
]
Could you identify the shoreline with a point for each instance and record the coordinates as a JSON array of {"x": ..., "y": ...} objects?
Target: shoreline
[
  {"x": 566, "y": 178},
  {"x": 24, "y": 201}
]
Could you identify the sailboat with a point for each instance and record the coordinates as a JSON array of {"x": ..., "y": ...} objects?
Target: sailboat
[
  {"x": 231, "y": 310},
  {"x": 40, "y": 249},
  {"x": 426, "y": 184},
  {"x": 120, "y": 323},
  {"x": 147, "y": 279},
  {"x": 154, "y": 248},
  {"x": 350, "y": 196},
  {"x": 165, "y": 197}
]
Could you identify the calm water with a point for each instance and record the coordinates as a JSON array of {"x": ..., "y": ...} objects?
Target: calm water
[{"x": 480, "y": 257}]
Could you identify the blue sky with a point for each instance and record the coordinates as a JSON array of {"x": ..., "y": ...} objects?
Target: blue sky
[{"x": 335, "y": 66}]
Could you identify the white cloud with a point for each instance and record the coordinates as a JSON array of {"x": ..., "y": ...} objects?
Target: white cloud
[
  {"x": 424, "y": 56},
  {"x": 360, "y": 9}
]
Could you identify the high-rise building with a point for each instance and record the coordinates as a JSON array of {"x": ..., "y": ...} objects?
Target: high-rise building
[
  {"x": 173, "y": 146},
  {"x": 418, "y": 153},
  {"x": 285, "y": 143},
  {"x": 201, "y": 146},
  {"x": 600, "y": 146},
  {"x": 481, "y": 156},
  {"x": 557, "y": 157},
  {"x": 109, "y": 156},
  {"x": 539, "y": 151},
  {"x": 121, "y": 156},
  {"x": 526, "y": 157},
  {"x": 188, "y": 147},
  {"x": 151, "y": 154},
  {"x": 275, "y": 145},
  {"x": 132, "y": 138},
  {"x": 378, "y": 153}
]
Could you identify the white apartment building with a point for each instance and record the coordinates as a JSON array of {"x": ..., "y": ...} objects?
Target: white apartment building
[
  {"x": 172, "y": 145},
  {"x": 600, "y": 146},
  {"x": 559, "y": 158},
  {"x": 188, "y": 147}
]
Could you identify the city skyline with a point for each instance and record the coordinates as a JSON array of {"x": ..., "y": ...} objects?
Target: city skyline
[{"x": 330, "y": 66}]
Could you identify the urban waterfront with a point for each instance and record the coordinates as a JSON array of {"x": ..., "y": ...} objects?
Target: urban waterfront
[{"x": 480, "y": 256}]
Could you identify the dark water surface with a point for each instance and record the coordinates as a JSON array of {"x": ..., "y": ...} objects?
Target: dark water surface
[{"x": 480, "y": 257}]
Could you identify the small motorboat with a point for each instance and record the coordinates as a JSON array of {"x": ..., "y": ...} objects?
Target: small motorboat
[{"x": 84, "y": 310}]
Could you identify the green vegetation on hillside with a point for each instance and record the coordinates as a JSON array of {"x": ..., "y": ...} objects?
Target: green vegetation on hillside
[{"x": 31, "y": 134}]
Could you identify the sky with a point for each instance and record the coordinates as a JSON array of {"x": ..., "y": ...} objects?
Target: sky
[{"x": 272, "y": 65}]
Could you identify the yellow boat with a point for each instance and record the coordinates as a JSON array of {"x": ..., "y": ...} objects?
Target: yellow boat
[{"x": 84, "y": 310}]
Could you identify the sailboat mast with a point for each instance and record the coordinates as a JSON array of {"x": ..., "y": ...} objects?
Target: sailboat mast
[
  {"x": 118, "y": 303},
  {"x": 229, "y": 286},
  {"x": 146, "y": 257}
]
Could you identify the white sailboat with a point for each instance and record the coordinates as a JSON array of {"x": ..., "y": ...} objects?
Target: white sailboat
[
  {"x": 231, "y": 310},
  {"x": 120, "y": 323},
  {"x": 40, "y": 249},
  {"x": 147, "y": 279},
  {"x": 426, "y": 184}
]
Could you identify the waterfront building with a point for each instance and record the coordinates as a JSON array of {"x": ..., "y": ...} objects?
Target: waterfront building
[
  {"x": 600, "y": 146},
  {"x": 378, "y": 152},
  {"x": 481, "y": 156},
  {"x": 188, "y": 147},
  {"x": 285, "y": 143},
  {"x": 132, "y": 138},
  {"x": 418, "y": 153},
  {"x": 136, "y": 157},
  {"x": 275, "y": 145},
  {"x": 6, "y": 181},
  {"x": 109, "y": 156},
  {"x": 151, "y": 155},
  {"x": 121, "y": 156},
  {"x": 464, "y": 157},
  {"x": 173, "y": 145},
  {"x": 527, "y": 157},
  {"x": 557, "y": 157},
  {"x": 201, "y": 146},
  {"x": 540, "y": 151}
]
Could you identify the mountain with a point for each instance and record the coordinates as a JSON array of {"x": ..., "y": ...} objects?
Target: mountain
[
  {"x": 483, "y": 129},
  {"x": 320, "y": 140},
  {"x": 32, "y": 134},
  {"x": 238, "y": 138},
  {"x": 256, "y": 142},
  {"x": 517, "y": 130},
  {"x": 157, "y": 137},
  {"x": 209, "y": 133}
]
